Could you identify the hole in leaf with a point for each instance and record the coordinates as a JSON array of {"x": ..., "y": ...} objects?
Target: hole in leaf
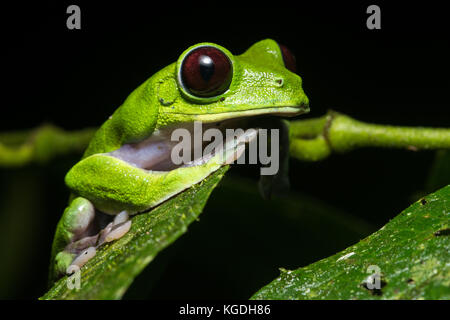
[{"x": 442, "y": 232}]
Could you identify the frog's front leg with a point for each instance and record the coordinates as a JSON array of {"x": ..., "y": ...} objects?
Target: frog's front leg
[{"x": 81, "y": 231}]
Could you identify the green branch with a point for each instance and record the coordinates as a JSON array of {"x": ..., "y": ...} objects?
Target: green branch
[
  {"x": 316, "y": 139},
  {"x": 41, "y": 145}
]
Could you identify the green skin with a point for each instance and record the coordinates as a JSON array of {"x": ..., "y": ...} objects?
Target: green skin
[{"x": 260, "y": 85}]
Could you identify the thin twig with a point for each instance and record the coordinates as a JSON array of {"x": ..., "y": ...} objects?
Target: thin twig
[{"x": 315, "y": 139}]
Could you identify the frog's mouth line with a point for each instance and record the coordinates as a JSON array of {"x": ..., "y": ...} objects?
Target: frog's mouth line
[
  {"x": 286, "y": 111},
  {"x": 155, "y": 152}
]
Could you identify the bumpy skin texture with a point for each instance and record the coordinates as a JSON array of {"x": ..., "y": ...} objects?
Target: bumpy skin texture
[{"x": 260, "y": 85}]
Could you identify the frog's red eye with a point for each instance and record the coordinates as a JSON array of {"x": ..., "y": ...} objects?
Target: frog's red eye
[
  {"x": 288, "y": 58},
  {"x": 206, "y": 72}
]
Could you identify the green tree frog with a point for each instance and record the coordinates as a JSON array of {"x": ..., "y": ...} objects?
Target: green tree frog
[{"x": 127, "y": 167}]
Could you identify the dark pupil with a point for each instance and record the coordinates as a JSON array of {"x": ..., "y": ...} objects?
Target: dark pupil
[
  {"x": 206, "y": 72},
  {"x": 206, "y": 65}
]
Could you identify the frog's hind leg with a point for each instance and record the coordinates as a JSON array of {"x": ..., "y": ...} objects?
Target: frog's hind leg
[{"x": 79, "y": 230}]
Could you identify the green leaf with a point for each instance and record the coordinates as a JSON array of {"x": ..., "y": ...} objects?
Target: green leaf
[
  {"x": 112, "y": 270},
  {"x": 411, "y": 252}
]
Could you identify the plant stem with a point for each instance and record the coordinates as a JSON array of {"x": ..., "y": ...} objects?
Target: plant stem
[
  {"x": 316, "y": 139},
  {"x": 41, "y": 145}
]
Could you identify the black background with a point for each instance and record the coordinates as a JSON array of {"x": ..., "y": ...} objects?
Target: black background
[{"x": 76, "y": 78}]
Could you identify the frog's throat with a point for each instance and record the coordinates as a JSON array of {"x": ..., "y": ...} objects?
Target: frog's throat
[{"x": 155, "y": 152}]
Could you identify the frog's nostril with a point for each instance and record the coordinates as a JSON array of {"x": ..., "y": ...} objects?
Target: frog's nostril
[{"x": 279, "y": 82}]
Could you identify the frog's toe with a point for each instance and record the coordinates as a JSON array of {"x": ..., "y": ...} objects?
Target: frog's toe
[
  {"x": 116, "y": 229},
  {"x": 84, "y": 257},
  {"x": 121, "y": 218}
]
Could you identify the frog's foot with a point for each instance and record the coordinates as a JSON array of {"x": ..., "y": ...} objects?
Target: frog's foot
[{"x": 79, "y": 252}]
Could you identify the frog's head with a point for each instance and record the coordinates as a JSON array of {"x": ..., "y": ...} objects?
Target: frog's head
[
  {"x": 209, "y": 84},
  {"x": 212, "y": 84}
]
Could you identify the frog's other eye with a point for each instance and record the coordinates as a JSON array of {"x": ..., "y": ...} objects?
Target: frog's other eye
[
  {"x": 288, "y": 58},
  {"x": 206, "y": 72}
]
